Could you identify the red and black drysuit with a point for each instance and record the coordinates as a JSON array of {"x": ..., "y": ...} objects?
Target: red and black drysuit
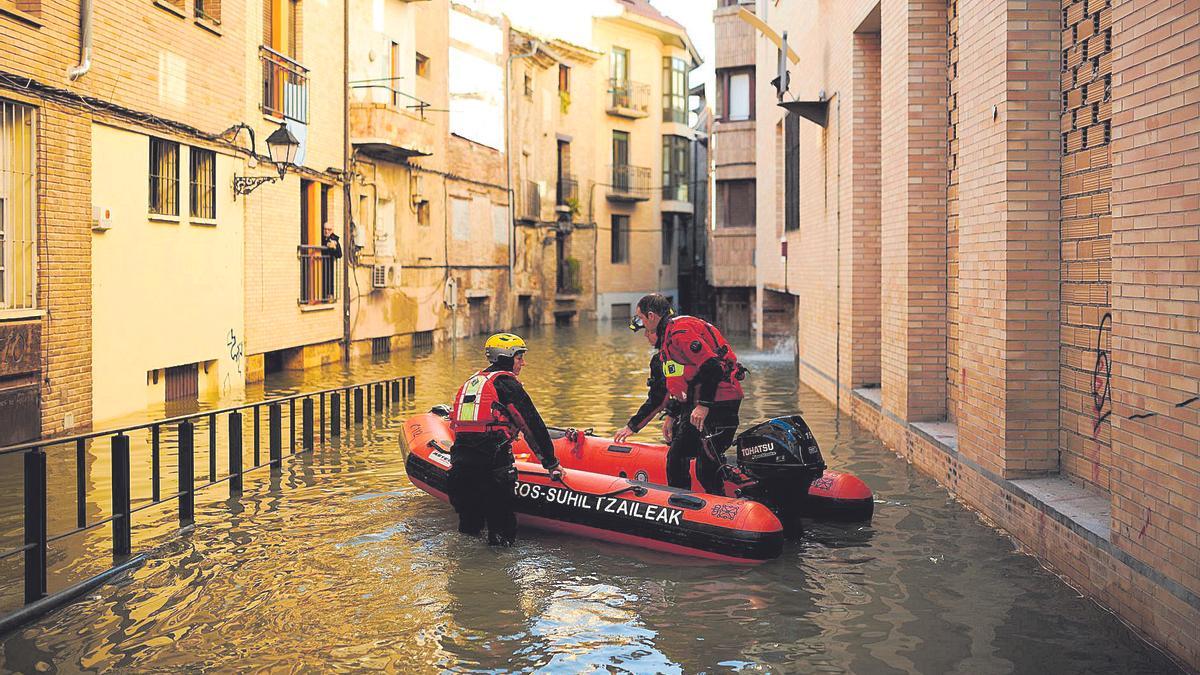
[
  {"x": 482, "y": 475},
  {"x": 694, "y": 365}
]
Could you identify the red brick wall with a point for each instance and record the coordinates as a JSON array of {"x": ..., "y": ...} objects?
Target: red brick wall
[
  {"x": 913, "y": 228},
  {"x": 861, "y": 340},
  {"x": 1155, "y": 475},
  {"x": 1085, "y": 436}
]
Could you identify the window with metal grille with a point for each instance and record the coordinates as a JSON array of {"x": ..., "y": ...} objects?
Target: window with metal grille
[
  {"x": 203, "y": 184},
  {"x": 182, "y": 382},
  {"x": 164, "y": 177},
  {"x": 18, "y": 206},
  {"x": 209, "y": 9},
  {"x": 620, "y": 239},
  {"x": 791, "y": 172},
  {"x": 564, "y": 78},
  {"x": 735, "y": 203}
]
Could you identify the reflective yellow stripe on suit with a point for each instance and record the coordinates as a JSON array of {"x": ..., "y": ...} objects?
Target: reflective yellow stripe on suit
[{"x": 469, "y": 410}]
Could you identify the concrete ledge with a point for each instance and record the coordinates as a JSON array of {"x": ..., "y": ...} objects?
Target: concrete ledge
[{"x": 1090, "y": 511}]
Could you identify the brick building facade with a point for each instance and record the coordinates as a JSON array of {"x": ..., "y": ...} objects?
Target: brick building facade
[{"x": 993, "y": 261}]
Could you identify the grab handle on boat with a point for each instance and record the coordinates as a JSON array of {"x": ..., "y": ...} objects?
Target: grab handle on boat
[{"x": 637, "y": 490}]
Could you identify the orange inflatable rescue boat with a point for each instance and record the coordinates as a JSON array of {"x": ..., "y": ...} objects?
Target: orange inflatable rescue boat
[{"x": 617, "y": 492}]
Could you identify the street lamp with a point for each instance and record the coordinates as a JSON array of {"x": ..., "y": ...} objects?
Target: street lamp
[{"x": 282, "y": 147}]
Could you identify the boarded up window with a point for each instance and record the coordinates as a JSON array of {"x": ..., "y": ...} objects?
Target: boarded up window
[
  {"x": 500, "y": 223},
  {"x": 460, "y": 215},
  {"x": 735, "y": 203}
]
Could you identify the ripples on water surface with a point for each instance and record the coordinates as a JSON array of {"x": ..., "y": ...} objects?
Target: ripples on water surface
[{"x": 342, "y": 565}]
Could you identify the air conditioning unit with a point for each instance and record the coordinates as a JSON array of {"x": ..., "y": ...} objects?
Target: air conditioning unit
[{"x": 379, "y": 276}]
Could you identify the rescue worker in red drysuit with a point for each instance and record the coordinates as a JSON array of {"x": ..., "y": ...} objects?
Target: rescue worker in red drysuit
[
  {"x": 490, "y": 409},
  {"x": 700, "y": 388}
]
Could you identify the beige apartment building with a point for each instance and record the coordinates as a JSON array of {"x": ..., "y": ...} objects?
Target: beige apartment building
[
  {"x": 132, "y": 272},
  {"x": 980, "y": 223},
  {"x": 555, "y": 108},
  {"x": 643, "y": 142}
]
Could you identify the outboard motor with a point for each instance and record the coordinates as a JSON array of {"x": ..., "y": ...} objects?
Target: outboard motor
[{"x": 781, "y": 458}]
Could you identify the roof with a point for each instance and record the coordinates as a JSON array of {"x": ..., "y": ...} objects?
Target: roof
[{"x": 644, "y": 8}]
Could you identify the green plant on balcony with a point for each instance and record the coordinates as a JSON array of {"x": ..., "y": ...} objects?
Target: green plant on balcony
[
  {"x": 564, "y": 101},
  {"x": 572, "y": 203}
]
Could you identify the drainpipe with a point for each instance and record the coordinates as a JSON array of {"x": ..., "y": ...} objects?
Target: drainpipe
[
  {"x": 85, "y": 42},
  {"x": 347, "y": 176}
]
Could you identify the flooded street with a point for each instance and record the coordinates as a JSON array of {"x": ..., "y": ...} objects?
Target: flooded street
[{"x": 342, "y": 565}]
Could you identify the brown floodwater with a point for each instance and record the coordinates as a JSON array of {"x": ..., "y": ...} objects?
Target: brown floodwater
[{"x": 340, "y": 564}]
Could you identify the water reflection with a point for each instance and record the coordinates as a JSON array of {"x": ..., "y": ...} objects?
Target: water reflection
[{"x": 340, "y": 565}]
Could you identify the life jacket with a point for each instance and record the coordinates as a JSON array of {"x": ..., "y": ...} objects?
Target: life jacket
[
  {"x": 687, "y": 343},
  {"x": 477, "y": 407}
]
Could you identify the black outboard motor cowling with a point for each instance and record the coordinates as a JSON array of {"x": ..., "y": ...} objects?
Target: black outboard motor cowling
[{"x": 781, "y": 456}]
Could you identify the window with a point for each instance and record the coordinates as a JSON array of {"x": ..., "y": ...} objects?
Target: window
[
  {"x": 620, "y": 160},
  {"x": 394, "y": 76},
  {"x": 423, "y": 213},
  {"x": 208, "y": 9},
  {"x": 18, "y": 206},
  {"x": 281, "y": 27},
  {"x": 791, "y": 172},
  {"x": 668, "y": 238},
  {"x": 528, "y": 85},
  {"x": 620, "y": 64},
  {"x": 675, "y": 167},
  {"x": 735, "y": 94},
  {"x": 318, "y": 268},
  {"x": 422, "y": 65},
  {"x": 564, "y": 79},
  {"x": 735, "y": 203},
  {"x": 674, "y": 90},
  {"x": 164, "y": 177},
  {"x": 620, "y": 239},
  {"x": 203, "y": 183},
  {"x": 30, "y": 7}
]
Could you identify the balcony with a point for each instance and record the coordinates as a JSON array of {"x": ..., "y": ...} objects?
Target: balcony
[
  {"x": 531, "y": 206},
  {"x": 629, "y": 183},
  {"x": 390, "y": 125},
  {"x": 285, "y": 86},
  {"x": 318, "y": 275},
  {"x": 566, "y": 196},
  {"x": 628, "y": 99}
]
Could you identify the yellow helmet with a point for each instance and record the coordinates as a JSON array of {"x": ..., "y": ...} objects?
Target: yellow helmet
[{"x": 503, "y": 344}]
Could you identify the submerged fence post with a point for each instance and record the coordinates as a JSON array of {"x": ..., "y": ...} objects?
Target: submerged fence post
[
  {"x": 80, "y": 483},
  {"x": 378, "y": 398},
  {"x": 275, "y": 432},
  {"x": 235, "y": 453},
  {"x": 321, "y": 423},
  {"x": 307, "y": 431},
  {"x": 394, "y": 385},
  {"x": 257, "y": 434},
  {"x": 335, "y": 415},
  {"x": 122, "y": 518},
  {"x": 35, "y": 525},
  {"x": 187, "y": 478},
  {"x": 212, "y": 448},
  {"x": 155, "y": 462},
  {"x": 358, "y": 405},
  {"x": 292, "y": 427}
]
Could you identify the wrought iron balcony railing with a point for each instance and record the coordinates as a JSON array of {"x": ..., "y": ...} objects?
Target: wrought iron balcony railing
[
  {"x": 629, "y": 183},
  {"x": 628, "y": 99},
  {"x": 285, "y": 86}
]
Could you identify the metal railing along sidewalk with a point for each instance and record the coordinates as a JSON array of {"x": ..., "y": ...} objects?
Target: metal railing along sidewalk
[{"x": 329, "y": 411}]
